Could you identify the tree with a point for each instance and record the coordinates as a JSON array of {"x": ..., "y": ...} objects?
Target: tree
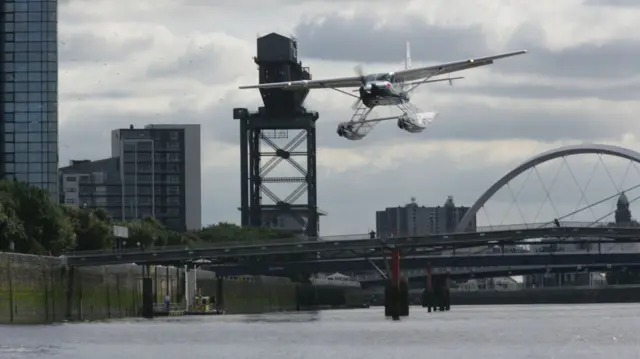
[
  {"x": 228, "y": 232},
  {"x": 147, "y": 232},
  {"x": 93, "y": 229},
  {"x": 11, "y": 228},
  {"x": 45, "y": 226},
  {"x": 35, "y": 224}
]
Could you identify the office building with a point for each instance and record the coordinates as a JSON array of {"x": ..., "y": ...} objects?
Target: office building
[
  {"x": 414, "y": 220},
  {"x": 29, "y": 123},
  {"x": 153, "y": 172}
]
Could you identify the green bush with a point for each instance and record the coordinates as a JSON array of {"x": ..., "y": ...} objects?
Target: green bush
[{"x": 35, "y": 224}]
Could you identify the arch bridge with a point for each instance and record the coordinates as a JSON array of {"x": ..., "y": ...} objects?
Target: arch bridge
[{"x": 531, "y": 163}]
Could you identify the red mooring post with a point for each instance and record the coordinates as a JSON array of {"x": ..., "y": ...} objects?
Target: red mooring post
[{"x": 395, "y": 268}]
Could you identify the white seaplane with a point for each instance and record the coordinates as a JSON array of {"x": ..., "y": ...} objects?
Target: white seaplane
[{"x": 387, "y": 89}]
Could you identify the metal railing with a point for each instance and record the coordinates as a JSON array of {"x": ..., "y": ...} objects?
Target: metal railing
[
  {"x": 224, "y": 244},
  {"x": 515, "y": 227},
  {"x": 258, "y": 241}
]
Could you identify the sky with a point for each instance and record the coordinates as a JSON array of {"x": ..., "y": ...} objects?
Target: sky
[{"x": 181, "y": 61}]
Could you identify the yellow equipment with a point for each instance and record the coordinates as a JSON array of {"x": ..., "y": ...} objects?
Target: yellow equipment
[{"x": 201, "y": 304}]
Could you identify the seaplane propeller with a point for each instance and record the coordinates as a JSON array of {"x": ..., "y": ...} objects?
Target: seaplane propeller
[{"x": 360, "y": 72}]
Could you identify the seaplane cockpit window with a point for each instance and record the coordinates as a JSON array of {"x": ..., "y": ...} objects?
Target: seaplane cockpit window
[{"x": 387, "y": 76}]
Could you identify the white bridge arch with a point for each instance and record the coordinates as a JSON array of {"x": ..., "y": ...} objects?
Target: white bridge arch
[{"x": 560, "y": 152}]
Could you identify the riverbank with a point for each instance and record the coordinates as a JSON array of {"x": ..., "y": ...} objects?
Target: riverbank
[{"x": 35, "y": 290}]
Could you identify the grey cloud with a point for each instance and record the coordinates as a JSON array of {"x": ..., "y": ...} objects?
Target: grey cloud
[
  {"x": 75, "y": 48},
  {"x": 350, "y": 197},
  {"x": 613, "y": 59},
  {"x": 199, "y": 62},
  {"x": 353, "y": 206},
  {"x": 627, "y": 92},
  {"x": 362, "y": 39},
  {"x": 478, "y": 122},
  {"x": 624, "y": 3},
  {"x": 468, "y": 121}
]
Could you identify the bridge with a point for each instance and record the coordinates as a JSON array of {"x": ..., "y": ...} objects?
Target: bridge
[
  {"x": 418, "y": 278},
  {"x": 358, "y": 252},
  {"x": 359, "y": 248},
  {"x": 415, "y": 262}
]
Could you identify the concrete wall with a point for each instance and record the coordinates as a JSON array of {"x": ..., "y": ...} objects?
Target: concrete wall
[
  {"x": 35, "y": 290},
  {"x": 250, "y": 294}
]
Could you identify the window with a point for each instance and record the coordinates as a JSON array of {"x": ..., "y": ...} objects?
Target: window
[
  {"x": 173, "y": 157},
  {"x": 70, "y": 189}
]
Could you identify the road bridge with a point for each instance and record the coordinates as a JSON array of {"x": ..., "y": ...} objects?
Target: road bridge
[{"x": 358, "y": 248}]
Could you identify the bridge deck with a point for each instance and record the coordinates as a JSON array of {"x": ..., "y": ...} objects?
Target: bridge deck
[{"x": 158, "y": 256}]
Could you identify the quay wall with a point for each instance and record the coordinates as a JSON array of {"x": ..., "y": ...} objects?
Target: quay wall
[{"x": 35, "y": 290}]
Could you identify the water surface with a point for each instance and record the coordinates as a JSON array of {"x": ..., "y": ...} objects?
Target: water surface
[{"x": 472, "y": 332}]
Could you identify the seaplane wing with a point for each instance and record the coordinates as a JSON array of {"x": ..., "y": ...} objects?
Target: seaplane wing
[
  {"x": 339, "y": 82},
  {"x": 442, "y": 69}
]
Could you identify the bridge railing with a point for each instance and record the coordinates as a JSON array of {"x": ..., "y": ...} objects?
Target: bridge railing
[
  {"x": 218, "y": 244},
  {"x": 259, "y": 241},
  {"x": 515, "y": 227}
]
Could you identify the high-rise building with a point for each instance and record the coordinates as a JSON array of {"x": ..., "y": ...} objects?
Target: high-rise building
[
  {"x": 29, "y": 101},
  {"x": 153, "y": 172},
  {"x": 414, "y": 220}
]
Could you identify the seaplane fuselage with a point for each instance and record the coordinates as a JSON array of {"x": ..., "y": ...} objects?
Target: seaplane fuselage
[{"x": 379, "y": 90}]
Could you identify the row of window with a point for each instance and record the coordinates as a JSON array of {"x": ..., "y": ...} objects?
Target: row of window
[
  {"x": 29, "y": 37},
  {"x": 34, "y": 158},
  {"x": 147, "y": 168},
  {"x": 32, "y": 16},
  {"x": 31, "y": 127},
  {"x": 31, "y": 6},
  {"x": 30, "y": 96},
  {"x": 35, "y": 76},
  {"x": 31, "y": 66},
  {"x": 35, "y": 116},
  {"x": 26, "y": 168},
  {"x": 129, "y": 137},
  {"x": 33, "y": 147},
  {"x": 157, "y": 157},
  {"x": 11, "y": 107},
  {"x": 33, "y": 177},
  {"x": 34, "y": 51},
  {"x": 147, "y": 145},
  {"x": 43, "y": 46},
  {"x": 175, "y": 179},
  {"x": 31, "y": 137},
  {"x": 146, "y": 190}
]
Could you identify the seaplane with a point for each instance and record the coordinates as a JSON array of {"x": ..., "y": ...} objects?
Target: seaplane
[{"x": 388, "y": 89}]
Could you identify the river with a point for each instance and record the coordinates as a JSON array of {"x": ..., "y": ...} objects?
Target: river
[{"x": 496, "y": 332}]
